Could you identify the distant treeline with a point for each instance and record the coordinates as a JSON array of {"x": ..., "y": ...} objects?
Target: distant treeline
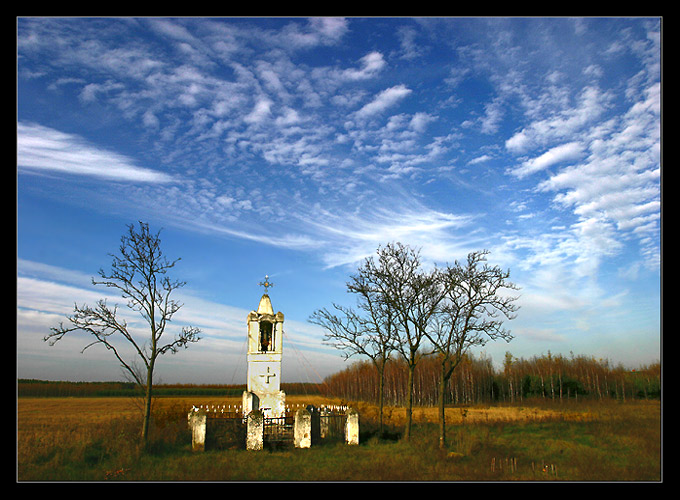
[
  {"x": 46, "y": 388},
  {"x": 475, "y": 381}
]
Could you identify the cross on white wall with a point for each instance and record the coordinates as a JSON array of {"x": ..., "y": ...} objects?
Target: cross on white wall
[{"x": 268, "y": 375}]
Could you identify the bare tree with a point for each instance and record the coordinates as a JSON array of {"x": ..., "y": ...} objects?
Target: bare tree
[
  {"x": 411, "y": 295},
  {"x": 139, "y": 273},
  {"x": 369, "y": 333},
  {"x": 472, "y": 314}
]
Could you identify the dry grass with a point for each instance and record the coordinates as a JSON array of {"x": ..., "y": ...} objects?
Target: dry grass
[
  {"x": 42, "y": 411},
  {"x": 396, "y": 416},
  {"x": 94, "y": 439}
]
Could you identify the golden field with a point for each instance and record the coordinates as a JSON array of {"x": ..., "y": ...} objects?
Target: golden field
[
  {"x": 48, "y": 415},
  {"x": 96, "y": 439}
]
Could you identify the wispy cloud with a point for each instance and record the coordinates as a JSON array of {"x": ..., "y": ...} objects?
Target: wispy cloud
[
  {"x": 349, "y": 238},
  {"x": 371, "y": 64},
  {"x": 562, "y": 123},
  {"x": 226, "y": 95},
  {"x": 44, "y": 149},
  {"x": 384, "y": 100},
  {"x": 558, "y": 154}
]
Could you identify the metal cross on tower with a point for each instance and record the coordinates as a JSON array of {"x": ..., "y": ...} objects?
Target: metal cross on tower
[{"x": 266, "y": 284}]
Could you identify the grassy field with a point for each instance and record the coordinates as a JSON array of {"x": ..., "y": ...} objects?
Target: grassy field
[{"x": 95, "y": 439}]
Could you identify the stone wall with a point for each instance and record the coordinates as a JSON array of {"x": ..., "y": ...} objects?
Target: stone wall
[{"x": 311, "y": 426}]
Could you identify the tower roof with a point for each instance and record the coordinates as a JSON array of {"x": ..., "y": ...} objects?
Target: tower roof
[{"x": 265, "y": 306}]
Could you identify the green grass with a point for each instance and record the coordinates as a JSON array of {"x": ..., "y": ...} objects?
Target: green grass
[{"x": 622, "y": 443}]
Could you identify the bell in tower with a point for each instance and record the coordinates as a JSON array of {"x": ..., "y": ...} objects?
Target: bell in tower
[{"x": 265, "y": 343}]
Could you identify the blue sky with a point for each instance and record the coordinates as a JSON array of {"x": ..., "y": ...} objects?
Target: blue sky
[{"x": 295, "y": 147}]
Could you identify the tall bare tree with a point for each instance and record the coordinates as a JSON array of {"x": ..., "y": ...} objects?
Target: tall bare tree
[
  {"x": 369, "y": 333},
  {"x": 139, "y": 272},
  {"x": 402, "y": 287},
  {"x": 472, "y": 314}
]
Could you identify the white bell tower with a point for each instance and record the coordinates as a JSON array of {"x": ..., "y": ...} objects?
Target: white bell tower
[{"x": 265, "y": 350}]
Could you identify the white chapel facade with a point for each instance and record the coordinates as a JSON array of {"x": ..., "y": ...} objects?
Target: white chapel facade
[{"x": 265, "y": 352}]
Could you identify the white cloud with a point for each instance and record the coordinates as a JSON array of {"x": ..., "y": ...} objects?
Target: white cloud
[
  {"x": 31, "y": 269},
  {"x": 561, "y": 124},
  {"x": 349, "y": 238},
  {"x": 319, "y": 31},
  {"x": 260, "y": 112},
  {"x": 602, "y": 163},
  {"x": 289, "y": 240},
  {"x": 420, "y": 120},
  {"x": 331, "y": 28},
  {"x": 371, "y": 64},
  {"x": 385, "y": 99},
  {"x": 479, "y": 159},
  {"x": 42, "y": 148},
  {"x": 90, "y": 91},
  {"x": 409, "y": 48},
  {"x": 558, "y": 154},
  {"x": 518, "y": 143},
  {"x": 558, "y": 268},
  {"x": 493, "y": 114},
  {"x": 57, "y": 298}
]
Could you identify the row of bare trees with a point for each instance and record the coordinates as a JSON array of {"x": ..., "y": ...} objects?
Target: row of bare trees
[
  {"x": 478, "y": 381},
  {"x": 561, "y": 377},
  {"x": 408, "y": 311}
]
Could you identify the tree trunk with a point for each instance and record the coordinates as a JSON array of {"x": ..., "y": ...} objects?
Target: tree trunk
[
  {"x": 381, "y": 398},
  {"x": 147, "y": 405},
  {"x": 409, "y": 402},
  {"x": 442, "y": 412}
]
